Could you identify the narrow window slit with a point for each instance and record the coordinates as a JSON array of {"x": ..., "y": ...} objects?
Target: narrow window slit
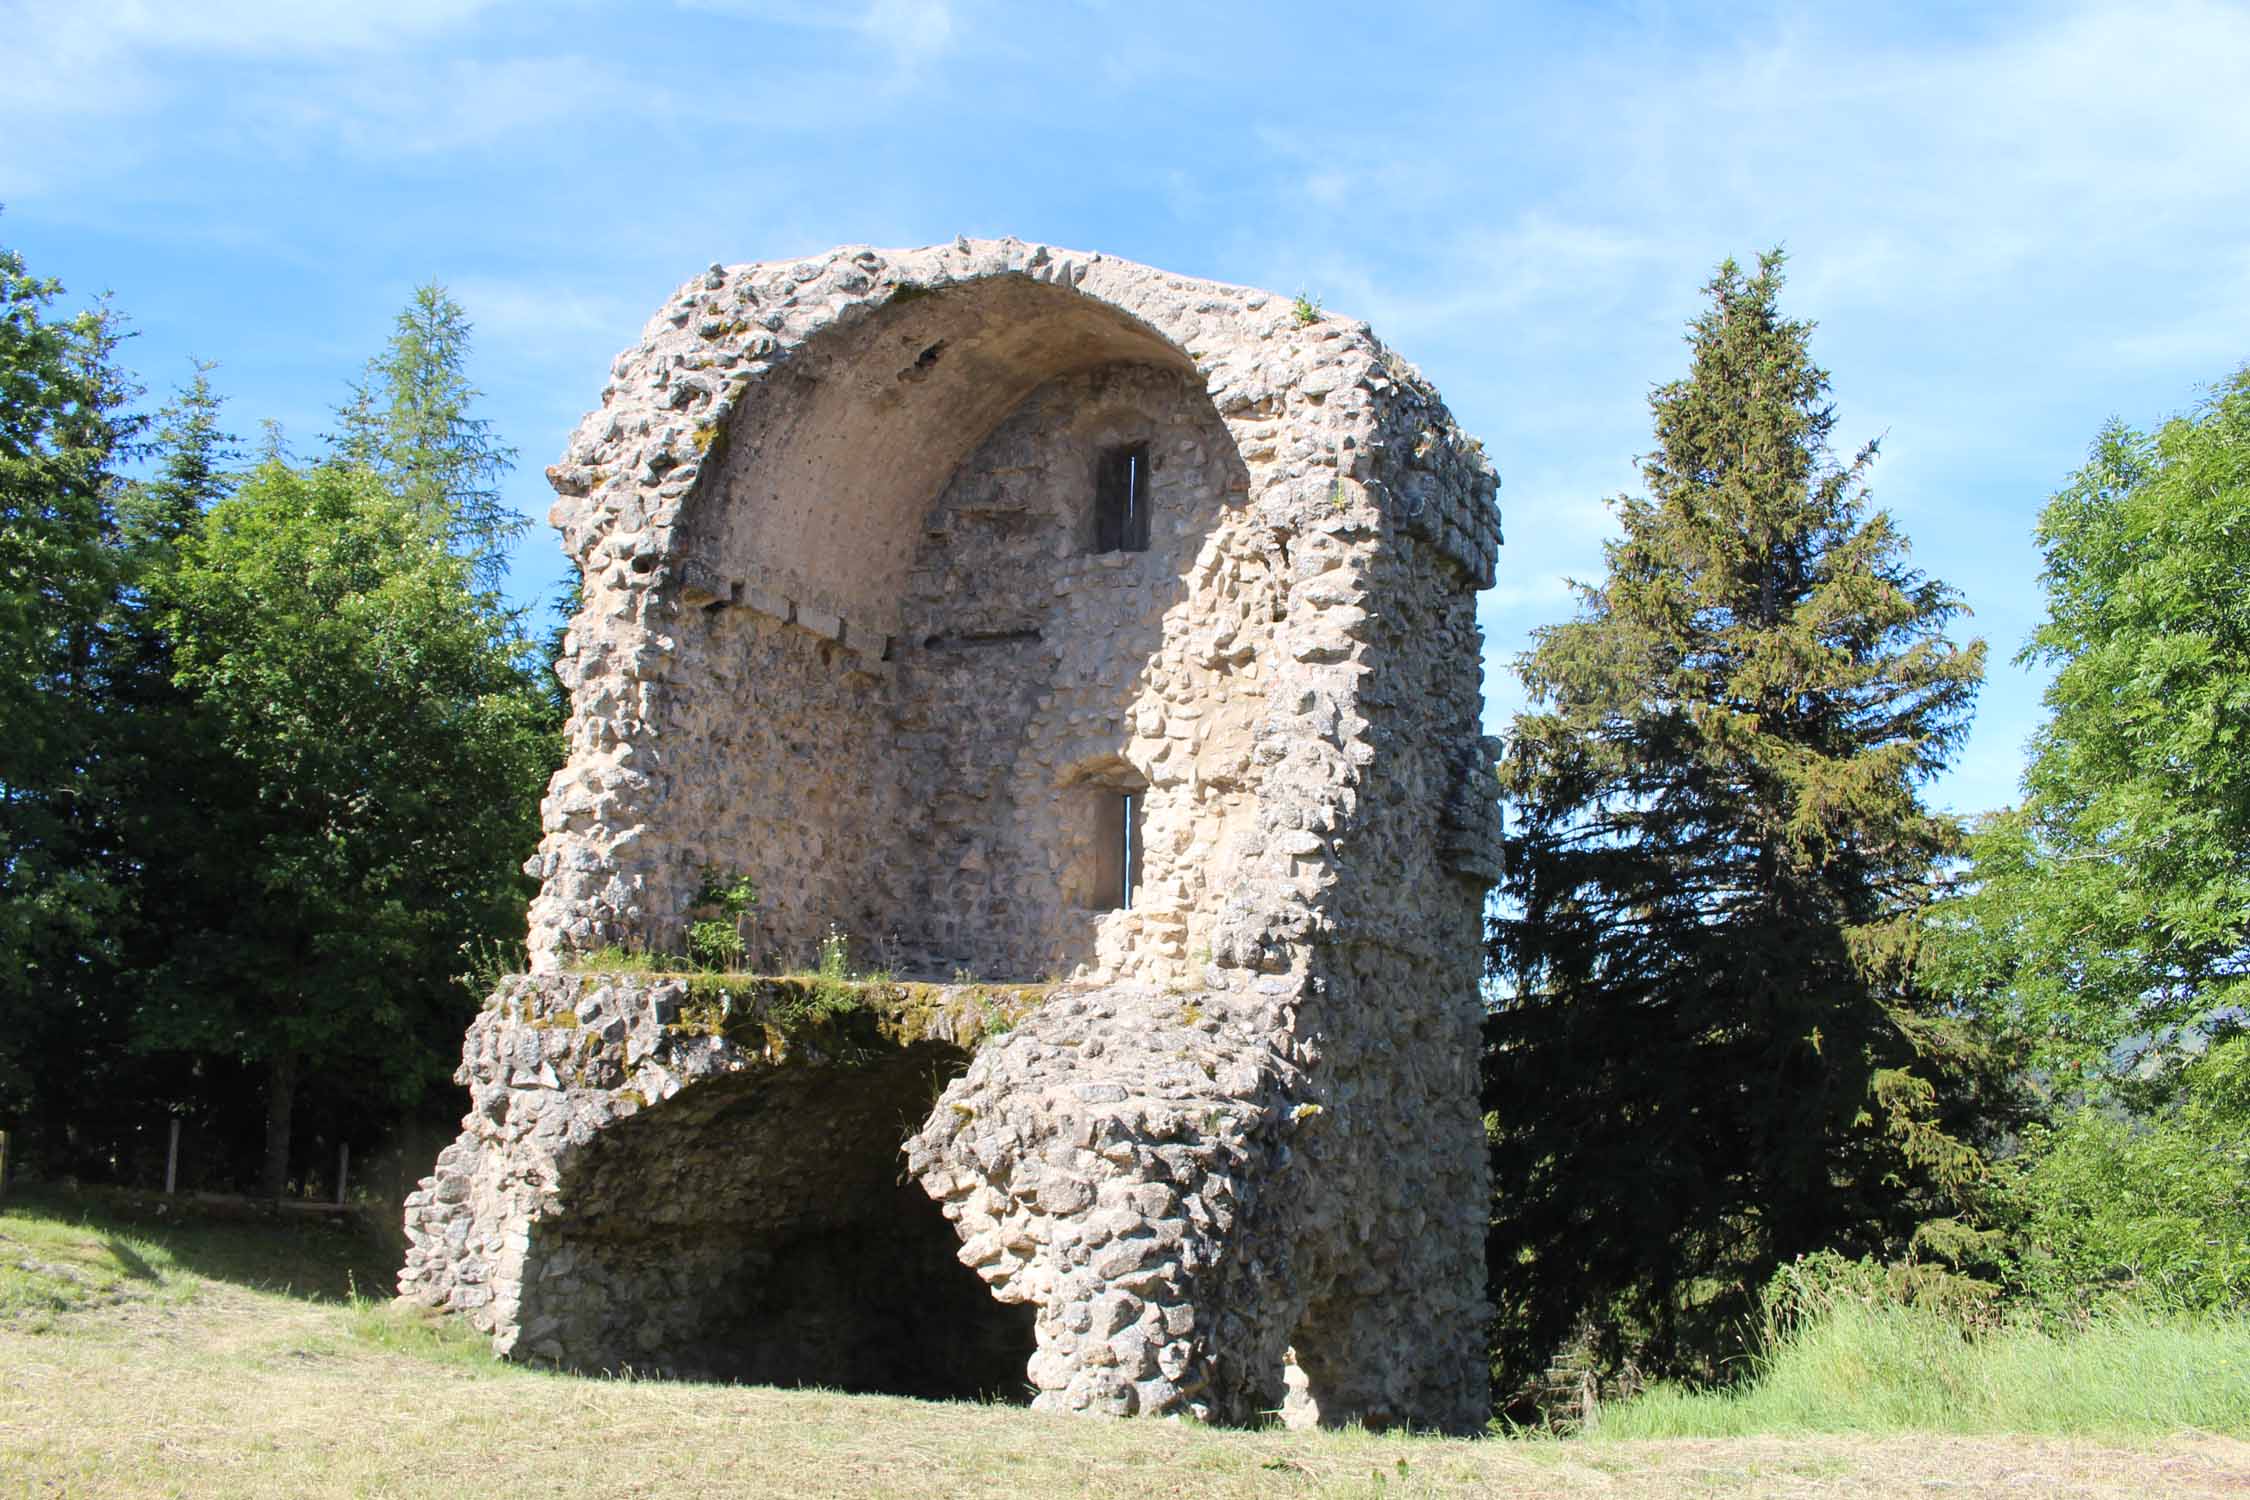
[
  {"x": 1132, "y": 851},
  {"x": 1118, "y": 849},
  {"x": 1121, "y": 500}
]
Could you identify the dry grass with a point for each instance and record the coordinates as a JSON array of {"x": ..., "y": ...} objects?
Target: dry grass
[{"x": 215, "y": 1389}]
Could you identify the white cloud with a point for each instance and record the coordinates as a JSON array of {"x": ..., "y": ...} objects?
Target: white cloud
[
  {"x": 453, "y": 104},
  {"x": 82, "y": 67},
  {"x": 108, "y": 56},
  {"x": 538, "y": 321},
  {"x": 2005, "y": 233},
  {"x": 255, "y": 28},
  {"x": 2059, "y": 147},
  {"x": 911, "y": 32}
]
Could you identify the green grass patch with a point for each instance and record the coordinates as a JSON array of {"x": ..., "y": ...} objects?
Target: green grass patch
[
  {"x": 1874, "y": 1370},
  {"x": 616, "y": 960},
  {"x": 425, "y": 1334},
  {"x": 273, "y": 1397},
  {"x": 50, "y": 1267},
  {"x": 64, "y": 1250}
]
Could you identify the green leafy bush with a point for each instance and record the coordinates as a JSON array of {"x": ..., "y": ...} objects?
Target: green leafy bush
[
  {"x": 2110, "y": 1206},
  {"x": 1813, "y": 1288}
]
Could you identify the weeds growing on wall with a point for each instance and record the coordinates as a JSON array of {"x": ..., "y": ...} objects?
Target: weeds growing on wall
[
  {"x": 487, "y": 961},
  {"x": 719, "y": 940}
]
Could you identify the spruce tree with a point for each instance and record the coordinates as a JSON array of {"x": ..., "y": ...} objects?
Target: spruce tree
[
  {"x": 411, "y": 420},
  {"x": 1712, "y": 1052},
  {"x": 64, "y": 429},
  {"x": 195, "y": 462}
]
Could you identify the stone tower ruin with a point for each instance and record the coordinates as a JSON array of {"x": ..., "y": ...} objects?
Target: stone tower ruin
[{"x": 1091, "y": 654}]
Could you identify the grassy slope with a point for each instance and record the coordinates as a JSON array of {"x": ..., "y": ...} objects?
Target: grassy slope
[
  {"x": 177, "y": 1377},
  {"x": 1894, "y": 1369}
]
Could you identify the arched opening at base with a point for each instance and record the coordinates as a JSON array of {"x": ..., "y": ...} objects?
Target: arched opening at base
[
  {"x": 875, "y": 1307},
  {"x": 757, "y": 1228}
]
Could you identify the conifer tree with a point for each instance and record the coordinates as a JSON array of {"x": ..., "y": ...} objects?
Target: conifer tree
[
  {"x": 64, "y": 428},
  {"x": 411, "y": 420},
  {"x": 1713, "y": 1052},
  {"x": 157, "y": 760}
]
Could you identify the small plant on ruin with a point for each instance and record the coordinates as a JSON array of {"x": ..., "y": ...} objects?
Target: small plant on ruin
[
  {"x": 717, "y": 941},
  {"x": 835, "y": 955},
  {"x": 1305, "y": 309},
  {"x": 809, "y": 1005},
  {"x": 615, "y": 959},
  {"x": 488, "y": 961}
]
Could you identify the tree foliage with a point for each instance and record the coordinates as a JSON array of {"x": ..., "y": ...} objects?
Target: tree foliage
[
  {"x": 2109, "y": 913},
  {"x": 272, "y": 750},
  {"x": 1713, "y": 1049},
  {"x": 196, "y": 464},
  {"x": 2107, "y": 1204},
  {"x": 411, "y": 419},
  {"x": 63, "y": 431},
  {"x": 362, "y": 754}
]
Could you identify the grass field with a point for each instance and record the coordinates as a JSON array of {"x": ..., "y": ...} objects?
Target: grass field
[
  {"x": 1895, "y": 1369},
  {"x": 228, "y": 1359}
]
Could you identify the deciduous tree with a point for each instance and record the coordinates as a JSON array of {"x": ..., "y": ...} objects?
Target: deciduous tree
[
  {"x": 2109, "y": 913},
  {"x": 362, "y": 759}
]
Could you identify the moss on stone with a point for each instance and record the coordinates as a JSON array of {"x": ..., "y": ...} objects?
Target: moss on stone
[
  {"x": 781, "y": 1020},
  {"x": 892, "y": 1014}
]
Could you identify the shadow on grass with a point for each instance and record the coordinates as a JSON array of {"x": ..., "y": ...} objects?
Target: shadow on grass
[
  {"x": 322, "y": 1259},
  {"x": 129, "y": 1260}
]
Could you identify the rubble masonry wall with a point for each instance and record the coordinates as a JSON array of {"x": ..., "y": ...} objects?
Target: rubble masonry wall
[{"x": 843, "y": 631}]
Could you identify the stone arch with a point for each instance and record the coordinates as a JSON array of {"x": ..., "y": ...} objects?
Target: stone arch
[
  {"x": 713, "y": 1235},
  {"x": 900, "y": 633},
  {"x": 830, "y": 462}
]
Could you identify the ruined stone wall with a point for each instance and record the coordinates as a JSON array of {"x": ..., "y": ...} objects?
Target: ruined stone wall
[
  {"x": 1264, "y": 1190},
  {"x": 698, "y": 1181},
  {"x": 1035, "y": 674},
  {"x": 773, "y": 446},
  {"x": 841, "y": 632},
  {"x": 935, "y": 802},
  {"x": 775, "y": 769}
]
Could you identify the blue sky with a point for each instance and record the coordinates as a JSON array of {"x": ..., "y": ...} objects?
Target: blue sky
[{"x": 2010, "y": 222}]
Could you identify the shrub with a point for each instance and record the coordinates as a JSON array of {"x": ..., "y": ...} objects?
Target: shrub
[{"x": 2108, "y": 1206}]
